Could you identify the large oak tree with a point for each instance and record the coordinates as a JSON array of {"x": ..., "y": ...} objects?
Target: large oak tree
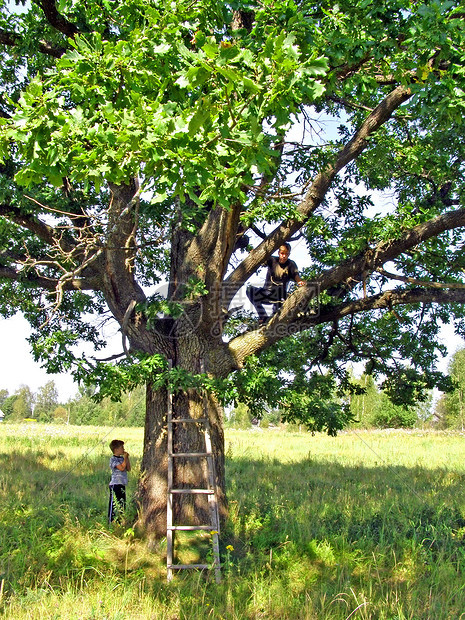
[{"x": 146, "y": 141}]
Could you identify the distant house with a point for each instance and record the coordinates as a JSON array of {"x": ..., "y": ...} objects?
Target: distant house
[{"x": 2, "y": 415}]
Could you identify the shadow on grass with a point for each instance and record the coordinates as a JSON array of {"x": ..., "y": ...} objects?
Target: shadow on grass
[
  {"x": 28, "y": 479},
  {"x": 53, "y": 523},
  {"x": 303, "y": 499},
  {"x": 310, "y": 512},
  {"x": 274, "y": 504}
]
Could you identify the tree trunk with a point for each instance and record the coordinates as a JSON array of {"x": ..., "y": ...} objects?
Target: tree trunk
[{"x": 188, "y": 472}]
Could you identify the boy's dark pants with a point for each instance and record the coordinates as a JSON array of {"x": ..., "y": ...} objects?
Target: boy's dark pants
[
  {"x": 117, "y": 503},
  {"x": 259, "y": 296}
]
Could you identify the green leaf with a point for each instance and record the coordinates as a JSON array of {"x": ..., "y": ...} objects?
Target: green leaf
[
  {"x": 211, "y": 50},
  {"x": 250, "y": 85}
]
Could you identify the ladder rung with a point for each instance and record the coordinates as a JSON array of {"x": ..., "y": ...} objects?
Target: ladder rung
[
  {"x": 174, "y": 420},
  {"x": 193, "y": 491},
  {"x": 191, "y": 454},
  {"x": 188, "y": 528},
  {"x": 180, "y": 566}
]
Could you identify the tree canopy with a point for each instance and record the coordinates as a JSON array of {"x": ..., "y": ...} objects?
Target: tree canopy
[{"x": 144, "y": 142}]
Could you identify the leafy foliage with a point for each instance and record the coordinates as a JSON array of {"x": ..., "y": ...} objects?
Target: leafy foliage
[{"x": 140, "y": 142}]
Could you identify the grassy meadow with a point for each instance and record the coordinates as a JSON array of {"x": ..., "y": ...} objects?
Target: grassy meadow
[{"x": 363, "y": 525}]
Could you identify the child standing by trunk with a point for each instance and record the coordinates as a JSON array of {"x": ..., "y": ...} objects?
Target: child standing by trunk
[{"x": 119, "y": 466}]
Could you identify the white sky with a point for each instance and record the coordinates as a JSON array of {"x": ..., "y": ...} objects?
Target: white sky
[{"x": 17, "y": 366}]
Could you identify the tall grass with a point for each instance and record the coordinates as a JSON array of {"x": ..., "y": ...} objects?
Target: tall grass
[{"x": 364, "y": 525}]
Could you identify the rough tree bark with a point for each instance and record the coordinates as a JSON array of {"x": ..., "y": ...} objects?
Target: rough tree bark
[
  {"x": 194, "y": 353},
  {"x": 188, "y": 473}
]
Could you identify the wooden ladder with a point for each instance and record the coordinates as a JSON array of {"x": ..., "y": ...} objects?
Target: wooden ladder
[{"x": 214, "y": 525}]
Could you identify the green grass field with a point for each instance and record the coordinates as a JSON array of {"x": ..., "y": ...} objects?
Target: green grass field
[{"x": 363, "y": 525}]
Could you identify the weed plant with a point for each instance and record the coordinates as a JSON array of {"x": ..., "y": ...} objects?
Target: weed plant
[{"x": 363, "y": 525}]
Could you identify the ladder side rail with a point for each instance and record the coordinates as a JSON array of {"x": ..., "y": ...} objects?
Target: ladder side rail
[
  {"x": 211, "y": 471},
  {"x": 197, "y": 566},
  {"x": 169, "y": 502},
  {"x": 212, "y": 499},
  {"x": 213, "y": 505}
]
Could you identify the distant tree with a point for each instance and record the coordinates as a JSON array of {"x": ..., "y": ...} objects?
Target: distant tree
[
  {"x": 60, "y": 414},
  {"x": 240, "y": 417},
  {"x": 389, "y": 415},
  {"x": 3, "y": 396},
  {"x": 134, "y": 403},
  {"x": 454, "y": 403},
  {"x": 372, "y": 407},
  {"x": 7, "y": 406},
  {"x": 128, "y": 411},
  {"x": 111, "y": 412},
  {"x": 22, "y": 404},
  {"x": 440, "y": 418},
  {"x": 363, "y": 406},
  {"x": 270, "y": 417},
  {"x": 424, "y": 411},
  {"x": 46, "y": 402},
  {"x": 83, "y": 408}
]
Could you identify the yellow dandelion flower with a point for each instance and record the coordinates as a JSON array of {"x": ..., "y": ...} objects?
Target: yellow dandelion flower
[{"x": 229, "y": 547}]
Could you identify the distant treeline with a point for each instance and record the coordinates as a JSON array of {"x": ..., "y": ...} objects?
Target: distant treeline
[
  {"x": 44, "y": 406},
  {"x": 371, "y": 409}
]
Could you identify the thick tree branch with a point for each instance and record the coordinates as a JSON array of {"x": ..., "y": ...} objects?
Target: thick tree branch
[
  {"x": 55, "y": 18},
  {"x": 44, "y": 232},
  {"x": 287, "y": 321},
  {"x": 8, "y": 38},
  {"x": 318, "y": 189},
  {"x": 425, "y": 283},
  {"x": 49, "y": 284},
  {"x": 51, "y": 50},
  {"x": 372, "y": 259},
  {"x": 254, "y": 342},
  {"x": 212, "y": 247},
  {"x": 12, "y": 39},
  {"x": 119, "y": 285},
  {"x": 347, "y": 69},
  {"x": 242, "y": 20},
  {"x": 386, "y": 300},
  {"x": 348, "y": 104}
]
